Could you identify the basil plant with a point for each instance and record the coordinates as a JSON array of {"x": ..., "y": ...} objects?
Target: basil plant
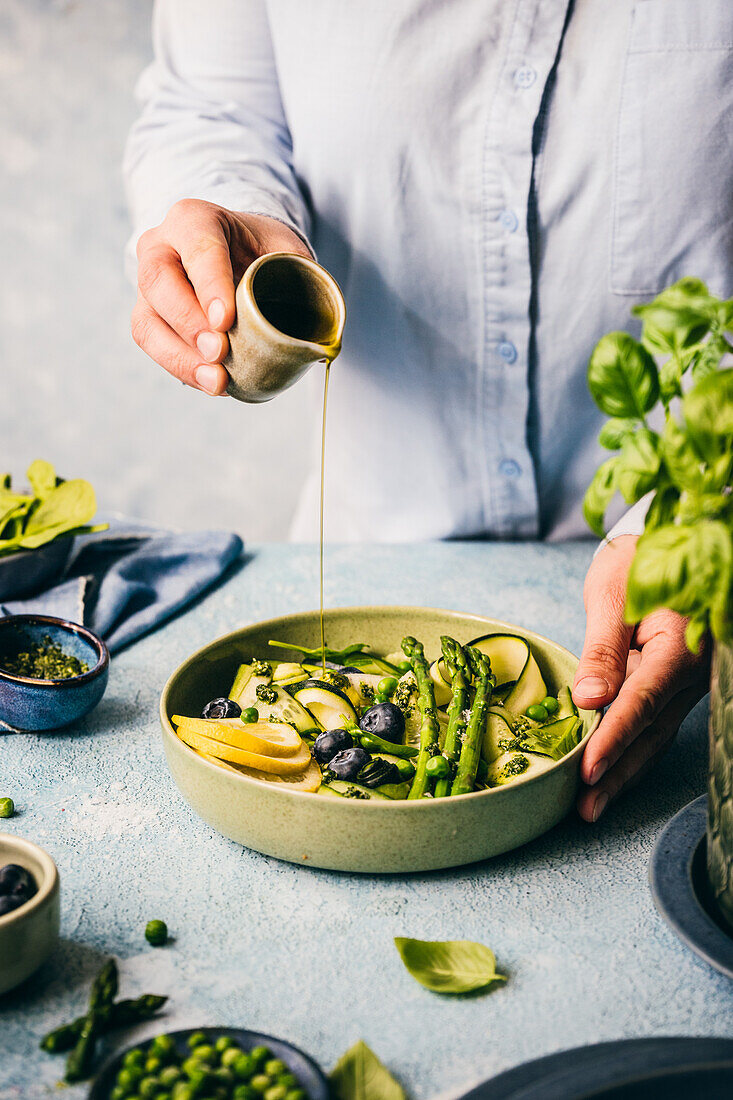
[{"x": 684, "y": 559}]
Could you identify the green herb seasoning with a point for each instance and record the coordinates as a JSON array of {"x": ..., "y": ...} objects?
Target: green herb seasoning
[{"x": 44, "y": 660}]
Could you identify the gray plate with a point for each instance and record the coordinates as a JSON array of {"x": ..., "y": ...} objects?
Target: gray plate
[
  {"x": 674, "y": 1068},
  {"x": 679, "y": 887}
]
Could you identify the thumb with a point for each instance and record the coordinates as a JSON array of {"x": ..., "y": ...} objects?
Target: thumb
[{"x": 602, "y": 666}]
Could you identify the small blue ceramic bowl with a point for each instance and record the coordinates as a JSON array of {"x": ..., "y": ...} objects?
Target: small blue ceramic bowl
[{"x": 30, "y": 704}]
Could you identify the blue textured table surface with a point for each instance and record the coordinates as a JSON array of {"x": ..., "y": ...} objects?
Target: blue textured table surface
[{"x": 308, "y": 955}]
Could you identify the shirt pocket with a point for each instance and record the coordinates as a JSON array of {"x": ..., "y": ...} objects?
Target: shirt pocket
[{"x": 673, "y": 165}]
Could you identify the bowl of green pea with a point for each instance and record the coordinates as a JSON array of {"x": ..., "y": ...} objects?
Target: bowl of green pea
[{"x": 212, "y": 1063}]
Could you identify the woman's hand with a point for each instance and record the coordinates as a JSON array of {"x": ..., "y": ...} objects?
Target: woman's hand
[
  {"x": 645, "y": 672},
  {"x": 188, "y": 268}
]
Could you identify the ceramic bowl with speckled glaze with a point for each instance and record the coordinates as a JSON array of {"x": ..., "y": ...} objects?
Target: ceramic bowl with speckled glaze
[
  {"x": 29, "y": 933},
  {"x": 27, "y": 703},
  {"x": 350, "y": 834}
]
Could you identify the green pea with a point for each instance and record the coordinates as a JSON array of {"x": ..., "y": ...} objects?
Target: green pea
[
  {"x": 368, "y": 743},
  {"x": 380, "y": 697},
  {"x": 183, "y": 1091},
  {"x": 250, "y": 714},
  {"x": 296, "y": 1094},
  {"x": 197, "y": 1039},
  {"x": 191, "y": 1066},
  {"x": 550, "y": 704},
  {"x": 405, "y": 767},
  {"x": 163, "y": 1046},
  {"x": 135, "y": 1057},
  {"x": 128, "y": 1077},
  {"x": 7, "y": 807},
  {"x": 537, "y": 712},
  {"x": 204, "y": 1053},
  {"x": 288, "y": 1080},
  {"x": 437, "y": 767},
  {"x": 153, "y": 1064},
  {"x": 148, "y": 1087},
  {"x": 259, "y": 1054},
  {"x": 275, "y": 1067},
  {"x": 156, "y": 933},
  {"x": 230, "y": 1056},
  {"x": 243, "y": 1066},
  {"x": 245, "y": 1092},
  {"x": 276, "y": 1092},
  {"x": 169, "y": 1076},
  {"x": 224, "y": 1042},
  {"x": 260, "y": 1083},
  {"x": 224, "y": 1075},
  {"x": 404, "y": 666},
  {"x": 118, "y": 1093},
  {"x": 387, "y": 686},
  {"x": 162, "y": 1096}
]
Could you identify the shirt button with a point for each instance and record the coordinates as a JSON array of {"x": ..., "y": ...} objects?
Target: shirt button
[
  {"x": 507, "y": 352},
  {"x": 525, "y": 76},
  {"x": 508, "y": 220},
  {"x": 509, "y": 468}
]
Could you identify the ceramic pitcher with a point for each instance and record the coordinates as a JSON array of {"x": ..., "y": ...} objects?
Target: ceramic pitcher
[{"x": 290, "y": 314}]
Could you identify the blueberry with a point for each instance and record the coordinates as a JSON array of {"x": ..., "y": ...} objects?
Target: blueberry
[
  {"x": 16, "y": 880},
  {"x": 327, "y": 744},
  {"x": 385, "y": 720},
  {"x": 348, "y": 764},
  {"x": 8, "y": 902},
  {"x": 221, "y": 708}
]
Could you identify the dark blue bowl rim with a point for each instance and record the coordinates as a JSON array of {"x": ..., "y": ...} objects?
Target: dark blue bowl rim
[{"x": 72, "y": 628}]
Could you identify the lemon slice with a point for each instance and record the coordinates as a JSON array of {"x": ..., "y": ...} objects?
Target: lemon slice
[
  {"x": 264, "y": 738},
  {"x": 279, "y": 765},
  {"x": 309, "y": 780}
]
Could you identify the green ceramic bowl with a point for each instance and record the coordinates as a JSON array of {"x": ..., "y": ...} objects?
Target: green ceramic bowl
[{"x": 351, "y": 835}]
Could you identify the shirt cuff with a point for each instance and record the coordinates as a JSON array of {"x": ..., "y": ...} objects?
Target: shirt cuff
[{"x": 631, "y": 522}]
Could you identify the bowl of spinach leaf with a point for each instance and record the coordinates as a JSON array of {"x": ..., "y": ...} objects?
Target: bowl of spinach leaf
[{"x": 37, "y": 526}]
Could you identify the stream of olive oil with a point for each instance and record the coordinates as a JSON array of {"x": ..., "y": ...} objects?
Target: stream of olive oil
[{"x": 323, "y": 495}]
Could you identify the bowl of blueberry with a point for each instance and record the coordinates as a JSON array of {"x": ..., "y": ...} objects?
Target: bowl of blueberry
[{"x": 29, "y": 909}]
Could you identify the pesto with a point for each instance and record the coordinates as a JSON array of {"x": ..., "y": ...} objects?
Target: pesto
[{"x": 44, "y": 660}]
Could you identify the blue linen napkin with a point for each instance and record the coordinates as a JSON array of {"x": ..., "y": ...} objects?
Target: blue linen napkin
[{"x": 123, "y": 582}]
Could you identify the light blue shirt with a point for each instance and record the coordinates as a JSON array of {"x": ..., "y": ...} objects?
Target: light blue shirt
[{"x": 493, "y": 183}]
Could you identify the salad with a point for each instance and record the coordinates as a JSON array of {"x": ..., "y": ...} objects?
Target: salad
[{"x": 351, "y": 724}]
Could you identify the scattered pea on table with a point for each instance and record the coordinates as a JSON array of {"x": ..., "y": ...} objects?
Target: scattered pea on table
[
  {"x": 7, "y": 807},
  {"x": 156, "y": 933}
]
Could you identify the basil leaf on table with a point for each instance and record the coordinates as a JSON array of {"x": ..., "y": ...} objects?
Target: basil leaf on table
[
  {"x": 359, "y": 1075},
  {"x": 71, "y": 504},
  {"x": 449, "y": 966},
  {"x": 622, "y": 376}
]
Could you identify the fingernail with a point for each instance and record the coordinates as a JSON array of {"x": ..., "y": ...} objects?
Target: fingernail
[
  {"x": 600, "y": 805},
  {"x": 209, "y": 344},
  {"x": 207, "y": 378},
  {"x": 600, "y": 769},
  {"x": 217, "y": 312},
  {"x": 592, "y": 687}
]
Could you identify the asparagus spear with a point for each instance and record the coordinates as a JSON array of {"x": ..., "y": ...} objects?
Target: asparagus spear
[
  {"x": 468, "y": 761},
  {"x": 103, "y": 993},
  {"x": 429, "y": 728},
  {"x": 460, "y": 676},
  {"x": 121, "y": 1014}
]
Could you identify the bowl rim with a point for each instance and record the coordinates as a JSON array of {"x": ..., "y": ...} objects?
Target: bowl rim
[
  {"x": 46, "y": 890},
  {"x": 280, "y": 790},
  {"x": 89, "y": 636}
]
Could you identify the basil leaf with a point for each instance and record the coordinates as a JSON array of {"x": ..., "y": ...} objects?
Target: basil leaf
[
  {"x": 71, "y": 504},
  {"x": 695, "y": 632},
  {"x": 449, "y": 966},
  {"x": 359, "y": 1075},
  {"x": 663, "y": 507},
  {"x": 682, "y": 460},
  {"x": 670, "y": 379},
  {"x": 622, "y": 376},
  {"x": 41, "y": 477},
  {"x": 678, "y": 317},
  {"x": 613, "y": 432},
  {"x": 708, "y": 413},
  {"x": 708, "y": 359},
  {"x": 639, "y": 461},
  {"x": 688, "y": 569},
  {"x": 598, "y": 495}
]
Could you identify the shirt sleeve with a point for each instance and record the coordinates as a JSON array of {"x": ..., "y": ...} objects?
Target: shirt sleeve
[
  {"x": 212, "y": 124},
  {"x": 630, "y": 523}
]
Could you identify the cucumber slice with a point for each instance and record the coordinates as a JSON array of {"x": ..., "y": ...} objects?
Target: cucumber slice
[
  {"x": 362, "y": 687},
  {"x": 287, "y": 672},
  {"x": 346, "y": 789},
  {"x": 330, "y": 706},
  {"x": 498, "y": 728},
  {"x": 441, "y": 686},
  {"x": 511, "y": 766},
  {"x": 511, "y": 659},
  {"x": 249, "y": 675},
  {"x": 281, "y": 707}
]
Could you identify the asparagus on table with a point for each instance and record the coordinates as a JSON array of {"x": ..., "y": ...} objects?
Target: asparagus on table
[
  {"x": 104, "y": 991},
  {"x": 121, "y": 1014},
  {"x": 460, "y": 677},
  {"x": 468, "y": 761},
  {"x": 429, "y": 728}
]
